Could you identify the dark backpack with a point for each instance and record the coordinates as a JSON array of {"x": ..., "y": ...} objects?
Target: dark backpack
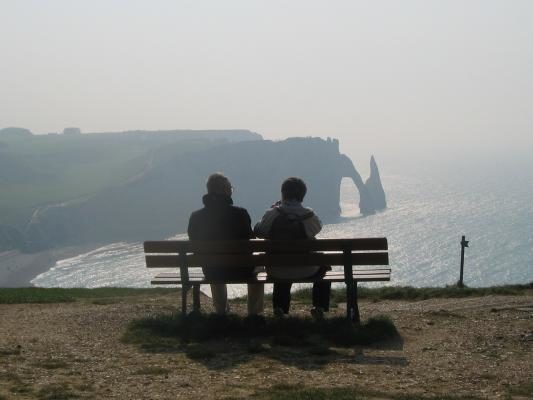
[{"x": 287, "y": 226}]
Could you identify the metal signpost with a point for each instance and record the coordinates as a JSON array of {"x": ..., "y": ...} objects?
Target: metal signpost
[{"x": 464, "y": 243}]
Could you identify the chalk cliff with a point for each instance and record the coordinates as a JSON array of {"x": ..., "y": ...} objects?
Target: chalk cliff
[
  {"x": 375, "y": 188},
  {"x": 159, "y": 202}
]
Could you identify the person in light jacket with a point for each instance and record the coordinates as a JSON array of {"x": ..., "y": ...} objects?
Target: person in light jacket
[{"x": 288, "y": 219}]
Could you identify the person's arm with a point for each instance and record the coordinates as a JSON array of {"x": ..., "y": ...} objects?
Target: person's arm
[
  {"x": 262, "y": 228},
  {"x": 247, "y": 233},
  {"x": 192, "y": 228}
]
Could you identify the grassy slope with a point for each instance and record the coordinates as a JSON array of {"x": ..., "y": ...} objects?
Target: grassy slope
[
  {"x": 60, "y": 168},
  {"x": 40, "y": 170},
  {"x": 412, "y": 293},
  {"x": 57, "y": 295}
]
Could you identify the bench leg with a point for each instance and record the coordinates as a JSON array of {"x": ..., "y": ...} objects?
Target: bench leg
[
  {"x": 184, "y": 289},
  {"x": 355, "y": 316},
  {"x": 196, "y": 298},
  {"x": 349, "y": 297},
  {"x": 352, "y": 309}
]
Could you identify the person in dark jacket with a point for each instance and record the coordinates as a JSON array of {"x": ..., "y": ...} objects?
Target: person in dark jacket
[{"x": 221, "y": 220}]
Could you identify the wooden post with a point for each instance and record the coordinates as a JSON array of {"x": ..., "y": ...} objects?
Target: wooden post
[{"x": 464, "y": 243}]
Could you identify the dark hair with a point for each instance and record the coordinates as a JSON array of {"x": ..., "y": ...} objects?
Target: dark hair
[{"x": 293, "y": 188}]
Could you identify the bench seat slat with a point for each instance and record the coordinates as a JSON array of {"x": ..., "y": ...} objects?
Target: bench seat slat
[
  {"x": 243, "y": 246},
  {"x": 197, "y": 273},
  {"x": 243, "y": 260},
  {"x": 381, "y": 274}
]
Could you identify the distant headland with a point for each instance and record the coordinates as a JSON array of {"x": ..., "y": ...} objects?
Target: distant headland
[{"x": 75, "y": 189}]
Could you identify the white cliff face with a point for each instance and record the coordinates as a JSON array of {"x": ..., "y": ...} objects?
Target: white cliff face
[
  {"x": 375, "y": 188},
  {"x": 371, "y": 193},
  {"x": 157, "y": 202}
]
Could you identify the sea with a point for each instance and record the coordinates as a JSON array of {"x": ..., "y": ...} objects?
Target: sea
[{"x": 429, "y": 210}]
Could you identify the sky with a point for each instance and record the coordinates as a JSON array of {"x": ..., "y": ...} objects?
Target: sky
[{"x": 382, "y": 76}]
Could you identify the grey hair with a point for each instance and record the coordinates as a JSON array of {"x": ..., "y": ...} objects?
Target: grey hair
[{"x": 218, "y": 183}]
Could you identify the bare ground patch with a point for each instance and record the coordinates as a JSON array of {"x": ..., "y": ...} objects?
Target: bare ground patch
[{"x": 479, "y": 346}]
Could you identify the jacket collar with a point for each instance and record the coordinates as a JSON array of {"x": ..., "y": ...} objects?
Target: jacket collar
[
  {"x": 291, "y": 203},
  {"x": 216, "y": 200}
]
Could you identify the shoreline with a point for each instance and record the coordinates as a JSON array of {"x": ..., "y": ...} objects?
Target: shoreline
[{"x": 19, "y": 269}]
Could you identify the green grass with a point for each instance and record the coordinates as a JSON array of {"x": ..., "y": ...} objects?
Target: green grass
[
  {"x": 56, "y": 392},
  {"x": 199, "y": 352},
  {"x": 84, "y": 387},
  {"x": 445, "y": 314},
  {"x": 50, "y": 363},
  {"x": 171, "y": 331},
  {"x": 282, "y": 392},
  {"x": 55, "y": 175},
  {"x": 10, "y": 377},
  {"x": 18, "y": 386},
  {"x": 293, "y": 392},
  {"x": 11, "y": 352},
  {"x": 21, "y": 389},
  {"x": 55, "y": 295},
  {"x": 525, "y": 389},
  {"x": 103, "y": 296},
  {"x": 410, "y": 293},
  {"x": 42, "y": 169}
]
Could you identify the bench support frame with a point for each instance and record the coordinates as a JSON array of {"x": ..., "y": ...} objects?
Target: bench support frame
[
  {"x": 196, "y": 297},
  {"x": 335, "y": 252},
  {"x": 184, "y": 272},
  {"x": 352, "y": 309}
]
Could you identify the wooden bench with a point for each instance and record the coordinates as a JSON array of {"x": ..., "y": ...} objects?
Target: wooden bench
[{"x": 364, "y": 260}]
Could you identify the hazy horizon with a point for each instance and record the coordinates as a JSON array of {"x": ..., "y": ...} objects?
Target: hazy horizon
[{"x": 380, "y": 76}]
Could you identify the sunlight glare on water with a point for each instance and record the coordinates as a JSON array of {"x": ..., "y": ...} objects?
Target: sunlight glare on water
[{"x": 423, "y": 223}]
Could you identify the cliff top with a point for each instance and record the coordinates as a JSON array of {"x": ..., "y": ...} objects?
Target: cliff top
[{"x": 474, "y": 347}]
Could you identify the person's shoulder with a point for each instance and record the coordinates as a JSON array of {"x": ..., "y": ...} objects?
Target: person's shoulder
[
  {"x": 311, "y": 213},
  {"x": 198, "y": 214},
  {"x": 239, "y": 210},
  {"x": 272, "y": 211},
  {"x": 308, "y": 210}
]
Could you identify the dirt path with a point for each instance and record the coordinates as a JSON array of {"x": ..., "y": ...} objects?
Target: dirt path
[{"x": 475, "y": 346}]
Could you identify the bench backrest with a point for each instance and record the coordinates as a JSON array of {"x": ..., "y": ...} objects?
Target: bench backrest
[{"x": 241, "y": 253}]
